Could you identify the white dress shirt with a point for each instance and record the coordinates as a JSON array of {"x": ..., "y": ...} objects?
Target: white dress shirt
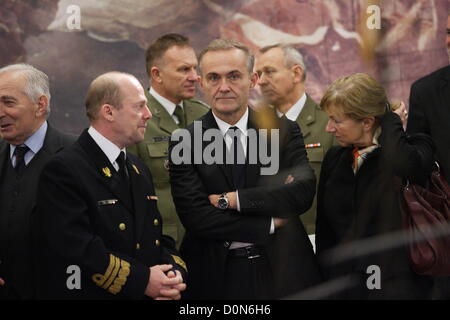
[
  {"x": 295, "y": 110},
  {"x": 242, "y": 126},
  {"x": 109, "y": 149}
]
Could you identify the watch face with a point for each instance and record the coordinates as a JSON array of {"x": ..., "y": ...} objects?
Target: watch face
[{"x": 222, "y": 203}]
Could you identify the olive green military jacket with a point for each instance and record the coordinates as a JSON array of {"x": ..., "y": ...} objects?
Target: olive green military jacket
[
  {"x": 312, "y": 121},
  {"x": 153, "y": 150}
]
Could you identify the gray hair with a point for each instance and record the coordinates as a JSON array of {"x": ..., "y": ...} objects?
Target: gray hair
[
  {"x": 292, "y": 56},
  {"x": 225, "y": 44},
  {"x": 36, "y": 82}
]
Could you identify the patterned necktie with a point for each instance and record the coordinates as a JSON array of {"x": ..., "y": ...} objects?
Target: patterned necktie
[
  {"x": 179, "y": 112},
  {"x": 19, "y": 153}
]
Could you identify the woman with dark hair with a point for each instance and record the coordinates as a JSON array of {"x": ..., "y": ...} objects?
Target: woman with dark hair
[{"x": 358, "y": 190}]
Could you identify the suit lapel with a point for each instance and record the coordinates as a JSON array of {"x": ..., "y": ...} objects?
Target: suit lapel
[
  {"x": 210, "y": 123},
  {"x": 4, "y": 155},
  {"x": 445, "y": 88},
  {"x": 52, "y": 144},
  {"x": 307, "y": 116},
  {"x": 106, "y": 172},
  {"x": 253, "y": 170},
  {"x": 162, "y": 117},
  {"x": 138, "y": 188}
]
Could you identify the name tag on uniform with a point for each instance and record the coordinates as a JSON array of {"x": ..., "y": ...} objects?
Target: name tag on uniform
[
  {"x": 161, "y": 138},
  {"x": 106, "y": 202}
]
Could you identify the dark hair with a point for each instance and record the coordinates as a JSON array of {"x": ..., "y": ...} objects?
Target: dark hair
[{"x": 156, "y": 50}]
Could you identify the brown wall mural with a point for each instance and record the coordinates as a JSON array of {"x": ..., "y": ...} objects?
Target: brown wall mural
[{"x": 113, "y": 35}]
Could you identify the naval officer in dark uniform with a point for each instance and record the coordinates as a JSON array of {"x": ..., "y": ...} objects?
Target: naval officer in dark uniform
[{"x": 99, "y": 226}]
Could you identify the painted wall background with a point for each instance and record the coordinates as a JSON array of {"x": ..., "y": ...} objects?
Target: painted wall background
[{"x": 114, "y": 34}]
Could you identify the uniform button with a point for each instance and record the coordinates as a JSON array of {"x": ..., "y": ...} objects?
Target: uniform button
[
  {"x": 138, "y": 246},
  {"x": 157, "y": 243},
  {"x": 122, "y": 226},
  {"x": 156, "y": 222}
]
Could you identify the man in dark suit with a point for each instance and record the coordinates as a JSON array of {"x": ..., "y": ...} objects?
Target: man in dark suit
[
  {"x": 429, "y": 112},
  {"x": 28, "y": 143},
  {"x": 171, "y": 65},
  {"x": 243, "y": 237},
  {"x": 99, "y": 225},
  {"x": 282, "y": 75}
]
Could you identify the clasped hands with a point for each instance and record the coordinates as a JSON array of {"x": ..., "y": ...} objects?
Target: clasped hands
[{"x": 164, "y": 283}]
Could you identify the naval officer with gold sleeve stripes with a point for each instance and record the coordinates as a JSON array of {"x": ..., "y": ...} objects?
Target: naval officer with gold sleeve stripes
[{"x": 97, "y": 208}]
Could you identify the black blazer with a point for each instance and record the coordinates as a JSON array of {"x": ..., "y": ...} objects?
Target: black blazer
[
  {"x": 209, "y": 231},
  {"x": 15, "y": 229},
  {"x": 429, "y": 112},
  {"x": 358, "y": 207},
  {"x": 87, "y": 218}
]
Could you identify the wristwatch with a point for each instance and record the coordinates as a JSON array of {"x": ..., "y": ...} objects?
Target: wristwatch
[{"x": 223, "y": 202}]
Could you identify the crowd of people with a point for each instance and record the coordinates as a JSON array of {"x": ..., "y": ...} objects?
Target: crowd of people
[{"x": 141, "y": 213}]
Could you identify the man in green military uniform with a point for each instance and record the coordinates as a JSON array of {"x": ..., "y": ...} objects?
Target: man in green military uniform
[
  {"x": 282, "y": 75},
  {"x": 171, "y": 65}
]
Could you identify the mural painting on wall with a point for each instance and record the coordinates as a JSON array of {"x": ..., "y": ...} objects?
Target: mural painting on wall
[{"x": 113, "y": 35}]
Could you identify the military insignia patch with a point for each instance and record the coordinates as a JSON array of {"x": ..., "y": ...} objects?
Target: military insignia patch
[
  {"x": 107, "y": 172},
  {"x": 179, "y": 261},
  {"x": 136, "y": 169}
]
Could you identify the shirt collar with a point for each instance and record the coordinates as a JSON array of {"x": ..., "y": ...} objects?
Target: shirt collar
[
  {"x": 167, "y": 104},
  {"x": 35, "y": 141},
  {"x": 241, "y": 124},
  {"x": 109, "y": 149},
  {"x": 294, "y": 111}
]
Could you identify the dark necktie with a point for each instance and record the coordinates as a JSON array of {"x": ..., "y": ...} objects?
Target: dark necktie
[
  {"x": 238, "y": 167},
  {"x": 19, "y": 153},
  {"x": 122, "y": 166},
  {"x": 179, "y": 112}
]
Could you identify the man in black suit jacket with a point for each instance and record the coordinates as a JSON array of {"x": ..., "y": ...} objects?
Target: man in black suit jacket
[
  {"x": 429, "y": 112},
  {"x": 243, "y": 236},
  {"x": 24, "y": 109},
  {"x": 99, "y": 225}
]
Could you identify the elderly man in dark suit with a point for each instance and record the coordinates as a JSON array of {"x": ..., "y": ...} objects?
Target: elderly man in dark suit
[
  {"x": 243, "y": 236},
  {"x": 282, "y": 76},
  {"x": 99, "y": 225},
  {"x": 28, "y": 143}
]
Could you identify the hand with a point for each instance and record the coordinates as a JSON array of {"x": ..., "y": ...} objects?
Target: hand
[
  {"x": 171, "y": 294},
  {"x": 232, "y": 201},
  {"x": 2, "y": 282},
  {"x": 402, "y": 113},
  {"x": 279, "y": 222},
  {"x": 162, "y": 286},
  {"x": 289, "y": 179}
]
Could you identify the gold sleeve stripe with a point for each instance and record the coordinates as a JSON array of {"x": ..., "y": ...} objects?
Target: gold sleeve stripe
[
  {"x": 101, "y": 279},
  {"x": 179, "y": 261},
  {"x": 121, "y": 279},
  {"x": 113, "y": 274}
]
